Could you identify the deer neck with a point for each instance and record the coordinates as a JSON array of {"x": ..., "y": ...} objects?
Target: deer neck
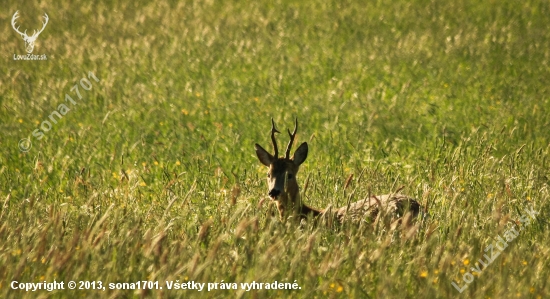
[{"x": 295, "y": 206}]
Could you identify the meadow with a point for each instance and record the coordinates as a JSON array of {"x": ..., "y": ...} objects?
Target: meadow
[{"x": 151, "y": 174}]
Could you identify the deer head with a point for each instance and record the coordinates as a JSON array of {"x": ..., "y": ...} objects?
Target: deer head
[
  {"x": 29, "y": 40},
  {"x": 281, "y": 176}
]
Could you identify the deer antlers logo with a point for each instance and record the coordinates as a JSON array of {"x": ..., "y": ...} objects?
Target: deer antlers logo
[{"x": 29, "y": 40}]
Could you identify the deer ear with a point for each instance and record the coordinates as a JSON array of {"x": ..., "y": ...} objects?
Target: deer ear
[
  {"x": 264, "y": 157},
  {"x": 300, "y": 154}
]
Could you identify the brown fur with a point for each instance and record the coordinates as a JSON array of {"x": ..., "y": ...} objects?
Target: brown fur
[{"x": 284, "y": 190}]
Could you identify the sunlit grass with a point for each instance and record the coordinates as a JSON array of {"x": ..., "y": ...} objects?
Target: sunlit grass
[{"x": 153, "y": 176}]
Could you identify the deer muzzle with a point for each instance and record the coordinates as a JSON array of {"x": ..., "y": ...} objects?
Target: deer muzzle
[{"x": 274, "y": 193}]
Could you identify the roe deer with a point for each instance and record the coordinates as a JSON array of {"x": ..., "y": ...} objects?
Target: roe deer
[{"x": 284, "y": 190}]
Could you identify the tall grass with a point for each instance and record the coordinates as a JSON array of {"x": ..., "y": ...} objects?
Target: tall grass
[{"x": 153, "y": 176}]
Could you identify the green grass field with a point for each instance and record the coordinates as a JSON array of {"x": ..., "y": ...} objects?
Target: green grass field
[{"x": 152, "y": 175}]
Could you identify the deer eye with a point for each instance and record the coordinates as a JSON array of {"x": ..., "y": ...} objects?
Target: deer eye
[
  {"x": 290, "y": 176},
  {"x": 268, "y": 175}
]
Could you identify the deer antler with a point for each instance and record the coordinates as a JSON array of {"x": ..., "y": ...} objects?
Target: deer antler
[
  {"x": 15, "y": 17},
  {"x": 273, "y": 131},
  {"x": 43, "y": 25},
  {"x": 289, "y": 146}
]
